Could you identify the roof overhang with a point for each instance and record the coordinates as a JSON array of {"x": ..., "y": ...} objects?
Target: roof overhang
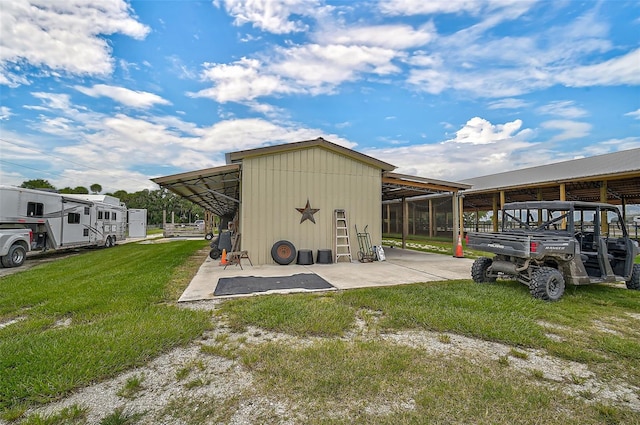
[
  {"x": 398, "y": 186},
  {"x": 214, "y": 189}
]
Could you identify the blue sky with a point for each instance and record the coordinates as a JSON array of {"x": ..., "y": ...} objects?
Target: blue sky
[{"x": 111, "y": 92}]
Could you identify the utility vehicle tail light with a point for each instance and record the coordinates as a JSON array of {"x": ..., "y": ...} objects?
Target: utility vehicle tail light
[{"x": 533, "y": 246}]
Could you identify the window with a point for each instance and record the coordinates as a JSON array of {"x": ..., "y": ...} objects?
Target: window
[
  {"x": 73, "y": 218},
  {"x": 99, "y": 214},
  {"x": 35, "y": 209},
  {"x": 85, "y": 232},
  {"x": 86, "y": 210},
  {"x": 113, "y": 216},
  {"x": 106, "y": 215}
]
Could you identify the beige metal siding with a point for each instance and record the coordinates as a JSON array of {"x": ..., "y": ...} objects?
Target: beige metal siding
[{"x": 273, "y": 186}]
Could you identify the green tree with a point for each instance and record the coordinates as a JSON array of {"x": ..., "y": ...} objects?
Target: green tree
[
  {"x": 95, "y": 188},
  {"x": 81, "y": 190},
  {"x": 37, "y": 184}
]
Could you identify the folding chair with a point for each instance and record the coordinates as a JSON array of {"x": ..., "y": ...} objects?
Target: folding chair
[{"x": 236, "y": 255}]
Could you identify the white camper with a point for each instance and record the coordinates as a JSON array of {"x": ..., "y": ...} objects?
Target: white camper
[{"x": 64, "y": 220}]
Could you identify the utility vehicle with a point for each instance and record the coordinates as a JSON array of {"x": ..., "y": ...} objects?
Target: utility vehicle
[{"x": 547, "y": 244}]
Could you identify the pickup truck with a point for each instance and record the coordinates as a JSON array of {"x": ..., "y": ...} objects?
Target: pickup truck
[
  {"x": 547, "y": 244},
  {"x": 15, "y": 242}
]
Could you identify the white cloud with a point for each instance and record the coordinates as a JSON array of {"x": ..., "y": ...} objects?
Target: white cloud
[
  {"x": 478, "y": 148},
  {"x": 320, "y": 68},
  {"x": 634, "y": 114},
  {"x": 243, "y": 80},
  {"x": 268, "y": 15},
  {"x": 508, "y": 103},
  {"x": 312, "y": 69},
  {"x": 568, "y": 129},
  {"x": 5, "y": 113},
  {"x": 388, "y": 36},
  {"x": 621, "y": 70},
  {"x": 61, "y": 36},
  {"x": 132, "y": 98},
  {"x": 563, "y": 108}
]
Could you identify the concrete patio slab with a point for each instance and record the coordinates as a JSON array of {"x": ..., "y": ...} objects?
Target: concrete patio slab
[{"x": 401, "y": 267}]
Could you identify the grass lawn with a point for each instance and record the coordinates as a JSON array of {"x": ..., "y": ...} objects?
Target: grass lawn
[
  {"x": 91, "y": 316},
  {"x": 359, "y": 356}
]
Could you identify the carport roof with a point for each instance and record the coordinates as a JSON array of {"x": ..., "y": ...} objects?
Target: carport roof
[
  {"x": 398, "y": 186},
  {"x": 217, "y": 189}
]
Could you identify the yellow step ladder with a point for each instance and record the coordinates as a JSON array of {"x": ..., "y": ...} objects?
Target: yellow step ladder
[{"x": 342, "y": 247}]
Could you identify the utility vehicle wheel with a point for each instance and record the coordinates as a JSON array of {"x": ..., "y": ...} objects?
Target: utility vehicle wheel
[
  {"x": 547, "y": 284},
  {"x": 634, "y": 282},
  {"x": 215, "y": 253},
  {"x": 480, "y": 270},
  {"x": 283, "y": 252},
  {"x": 15, "y": 257},
  {"x": 208, "y": 236}
]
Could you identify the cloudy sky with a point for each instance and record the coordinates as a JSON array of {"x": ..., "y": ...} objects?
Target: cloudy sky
[{"x": 115, "y": 92}]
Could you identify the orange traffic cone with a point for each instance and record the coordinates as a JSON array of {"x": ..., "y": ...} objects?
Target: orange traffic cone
[
  {"x": 223, "y": 261},
  {"x": 459, "y": 252}
]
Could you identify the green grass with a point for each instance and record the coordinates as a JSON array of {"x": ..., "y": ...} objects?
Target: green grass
[
  {"x": 89, "y": 317},
  {"x": 503, "y": 312},
  {"x": 433, "y": 245}
]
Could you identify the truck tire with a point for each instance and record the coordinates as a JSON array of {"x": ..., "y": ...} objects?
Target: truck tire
[
  {"x": 283, "y": 252},
  {"x": 547, "y": 284},
  {"x": 634, "y": 282},
  {"x": 15, "y": 257},
  {"x": 480, "y": 270}
]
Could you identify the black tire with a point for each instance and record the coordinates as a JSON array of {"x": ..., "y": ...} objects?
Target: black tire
[
  {"x": 15, "y": 257},
  {"x": 634, "y": 282},
  {"x": 215, "y": 253},
  {"x": 283, "y": 252},
  {"x": 208, "y": 236},
  {"x": 547, "y": 284},
  {"x": 480, "y": 270},
  {"x": 107, "y": 243}
]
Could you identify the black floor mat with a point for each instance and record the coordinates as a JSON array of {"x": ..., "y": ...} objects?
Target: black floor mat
[{"x": 250, "y": 284}]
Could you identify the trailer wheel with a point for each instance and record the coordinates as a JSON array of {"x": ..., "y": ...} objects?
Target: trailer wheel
[
  {"x": 208, "y": 236},
  {"x": 283, "y": 252},
  {"x": 15, "y": 257},
  {"x": 547, "y": 284},
  {"x": 214, "y": 254},
  {"x": 634, "y": 282},
  {"x": 107, "y": 243},
  {"x": 480, "y": 270}
]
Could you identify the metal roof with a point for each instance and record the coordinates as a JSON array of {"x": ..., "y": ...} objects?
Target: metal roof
[
  {"x": 306, "y": 144},
  {"x": 582, "y": 178},
  {"x": 398, "y": 186},
  {"x": 214, "y": 189}
]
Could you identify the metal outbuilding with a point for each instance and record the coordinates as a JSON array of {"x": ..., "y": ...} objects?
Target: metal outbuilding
[
  {"x": 290, "y": 192},
  {"x": 613, "y": 178}
]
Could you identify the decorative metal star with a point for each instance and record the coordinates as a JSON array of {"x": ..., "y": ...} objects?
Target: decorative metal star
[{"x": 307, "y": 213}]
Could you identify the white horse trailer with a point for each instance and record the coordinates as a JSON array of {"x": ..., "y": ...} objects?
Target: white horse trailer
[{"x": 64, "y": 220}]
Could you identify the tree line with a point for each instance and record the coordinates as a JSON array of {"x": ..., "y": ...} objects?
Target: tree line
[{"x": 154, "y": 201}]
